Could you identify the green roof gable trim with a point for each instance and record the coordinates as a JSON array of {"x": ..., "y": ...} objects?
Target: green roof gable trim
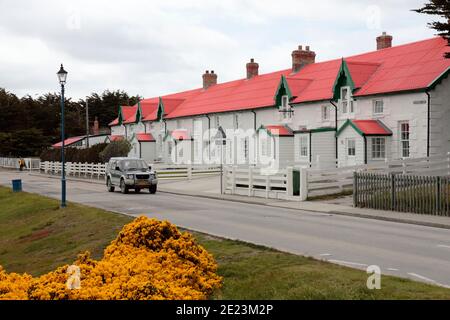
[
  {"x": 160, "y": 114},
  {"x": 343, "y": 79},
  {"x": 439, "y": 79},
  {"x": 138, "y": 112},
  {"x": 263, "y": 128},
  {"x": 345, "y": 125},
  {"x": 120, "y": 118},
  {"x": 282, "y": 90}
]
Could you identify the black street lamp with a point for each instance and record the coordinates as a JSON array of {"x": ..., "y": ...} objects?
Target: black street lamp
[{"x": 62, "y": 76}]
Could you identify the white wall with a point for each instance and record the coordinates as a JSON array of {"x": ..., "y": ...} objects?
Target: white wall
[
  {"x": 148, "y": 151},
  {"x": 440, "y": 118},
  {"x": 117, "y": 130},
  {"x": 349, "y": 132},
  {"x": 324, "y": 149}
]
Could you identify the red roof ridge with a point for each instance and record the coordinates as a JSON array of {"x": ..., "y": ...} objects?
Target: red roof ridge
[{"x": 435, "y": 38}]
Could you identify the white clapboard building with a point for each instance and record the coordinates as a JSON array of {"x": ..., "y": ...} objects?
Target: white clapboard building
[{"x": 387, "y": 104}]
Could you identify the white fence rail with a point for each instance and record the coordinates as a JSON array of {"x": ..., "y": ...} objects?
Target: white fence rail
[
  {"x": 97, "y": 170},
  {"x": 301, "y": 183},
  {"x": 253, "y": 181},
  {"x": 332, "y": 181},
  {"x": 88, "y": 170},
  {"x": 13, "y": 163}
]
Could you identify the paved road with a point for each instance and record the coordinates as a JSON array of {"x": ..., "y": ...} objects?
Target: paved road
[{"x": 417, "y": 252}]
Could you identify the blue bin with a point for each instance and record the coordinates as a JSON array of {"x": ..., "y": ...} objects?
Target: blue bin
[{"x": 17, "y": 185}]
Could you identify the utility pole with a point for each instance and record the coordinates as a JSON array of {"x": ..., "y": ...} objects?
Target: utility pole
[{"x": 87, "y": 123}]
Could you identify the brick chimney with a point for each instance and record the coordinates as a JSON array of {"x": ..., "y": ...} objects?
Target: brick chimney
[
  {"x": 95, "y": 128},
  {"x": 384, "y": 41},
  {"x": 209, "y": 79},
  {"x": 252, "y": 69},
  {"x": 301, "y": 58}
]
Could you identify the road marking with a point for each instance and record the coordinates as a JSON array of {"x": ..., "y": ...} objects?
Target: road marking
[
  {"x": 443, "y": 246},
  {"x": 428, "y": 279},
  {"x": 349, "y": 263},
  {"x": 392, "y": 269},
  {"x": 325, "y": 254}
]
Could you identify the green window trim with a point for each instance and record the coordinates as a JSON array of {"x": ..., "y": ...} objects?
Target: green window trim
[
  {"x": 138, "y": 113},
  {"x": 120, "y": 120},
  {"x": 282, "y": 90},
  {"x": 343, "y": 79},
  {"x": 160, "y": 113}
]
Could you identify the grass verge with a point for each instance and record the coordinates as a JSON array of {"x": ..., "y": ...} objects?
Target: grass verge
[{"x": 36, "y": 236}]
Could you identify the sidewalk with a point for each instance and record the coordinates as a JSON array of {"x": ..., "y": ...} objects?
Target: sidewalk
[{"x": 210, "y": 188}]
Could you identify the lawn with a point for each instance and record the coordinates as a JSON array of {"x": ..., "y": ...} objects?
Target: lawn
[{"x": 36, "y": 236}]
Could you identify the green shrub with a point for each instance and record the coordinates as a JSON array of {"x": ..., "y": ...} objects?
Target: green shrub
[
  {"x": 115, "y": 149},
  {"x": 89, "y": 155}
]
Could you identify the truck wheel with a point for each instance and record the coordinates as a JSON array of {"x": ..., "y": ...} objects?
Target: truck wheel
[
  {"x": 123, "y": 187},
  {"x": 152, "y": 189},
  {"x": 109, "y": 185}
]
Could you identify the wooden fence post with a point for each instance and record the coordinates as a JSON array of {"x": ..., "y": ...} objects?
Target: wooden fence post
[
  {"x": 355, "y": 189},
  {"x": 303, "y": 184},
  {"x": 438, "y": 195},
  {"x": 448, "y": 163},
  {"x": 250, "y": 181},
  {"x": 393, "y": 200},
  {"x": 233, "y": 180},
  {"x": 189, "y": 171},
  {"x": 290, "y": 182}
]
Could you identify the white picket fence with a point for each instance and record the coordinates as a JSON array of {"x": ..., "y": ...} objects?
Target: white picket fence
[
  {"x": 13, "y": 163},
  {"x": 332, "y": 181},
  {"x": 97, "y": 170},
  {"x": 88, "y": 170},
  {"x": 317, "y": 182},
  {"x": 256, "y": 182}
]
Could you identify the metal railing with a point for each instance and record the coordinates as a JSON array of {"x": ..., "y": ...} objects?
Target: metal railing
[{"x": 403, "y": 193}]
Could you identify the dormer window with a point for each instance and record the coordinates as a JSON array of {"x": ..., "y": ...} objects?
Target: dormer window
[
  {"x": 285, "y": 108},
  {"x": 347, "y": 105},
  {"x": 284, "y": 102}
]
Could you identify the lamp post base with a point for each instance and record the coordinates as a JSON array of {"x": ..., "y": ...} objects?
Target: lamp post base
[{"x": 63, "y": 196}]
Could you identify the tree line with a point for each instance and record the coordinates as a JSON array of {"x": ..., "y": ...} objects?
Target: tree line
[{"x": 29, "y": 124}]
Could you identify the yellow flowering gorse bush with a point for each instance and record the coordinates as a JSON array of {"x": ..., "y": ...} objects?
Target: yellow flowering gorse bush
[{"x": 149, "y": 259}]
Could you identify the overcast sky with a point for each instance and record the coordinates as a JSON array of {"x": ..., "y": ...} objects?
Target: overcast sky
[{"x": 153, "y": 48}]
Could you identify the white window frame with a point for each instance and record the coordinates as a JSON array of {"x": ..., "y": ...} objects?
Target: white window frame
[
  {"x": 285, "y": 107},
  {"x": 285, "y": 102},
  {"x": 378, "y": 148},
  {"x": 347, "y": 146},
  {"x": 375, "y": 110},
  {"x": 347, "y": 102},
  {"x": 303, "y": 145},
  {"x": 404, "y": 140},
  {"x": 245, "y": 147}
]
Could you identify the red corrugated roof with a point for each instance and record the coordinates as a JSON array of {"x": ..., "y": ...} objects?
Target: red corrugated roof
[
  {"x": 145, "y": 137},
  {"x": 372, "y": 127},
  {"x": 278, "y": 130},
  {"x": 68, "y": 141},
  {"x": 235, "y": 95},
  {"x": 407, "y": 67},
  {"x": 129, "y": 114}
]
